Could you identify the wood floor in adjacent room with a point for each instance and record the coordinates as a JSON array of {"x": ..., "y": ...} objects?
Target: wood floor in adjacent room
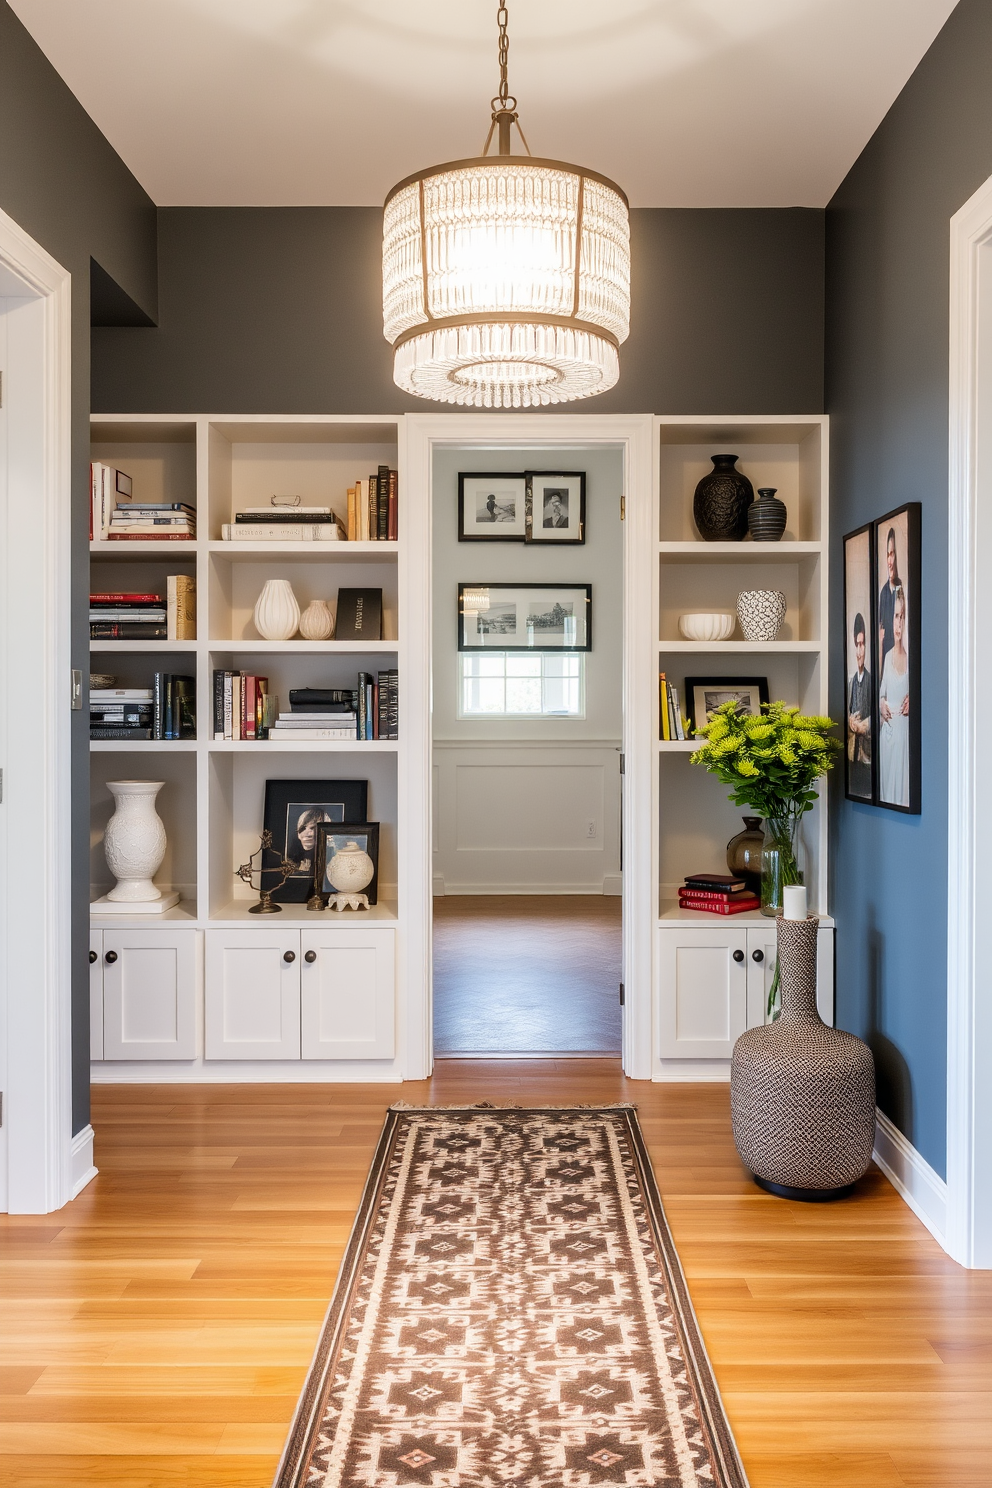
[{"x": 157, "y": 1330}]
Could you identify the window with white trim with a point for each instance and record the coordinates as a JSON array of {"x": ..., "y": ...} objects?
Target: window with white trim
[{"x": 515, "y": 684}]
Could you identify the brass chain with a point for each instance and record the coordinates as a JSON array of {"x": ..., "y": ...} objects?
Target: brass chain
[{"x": 503, "y": 99}]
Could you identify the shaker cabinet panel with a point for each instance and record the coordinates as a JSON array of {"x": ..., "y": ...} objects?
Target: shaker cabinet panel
[
  {"x": 348, "y": 993},
  {"x": 252, "y": 993},
  {"x": 149, "y": 994},
  {"x": 703, "y": 977},
  {"x": 96, "y": 994}
]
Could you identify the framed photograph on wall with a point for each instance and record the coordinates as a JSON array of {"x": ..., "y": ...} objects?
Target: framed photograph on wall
[
  {"x": 492, "y": 508},
  {"x": 525, "y": 617},
  {"x": 332, "y": 839},
  {"x": 556, "y": 506},
  {"x": 294, "y": 809},
  {"x": 897, "y": 659},
  {"x": 859, "y": 665},
  {"x": 703, "y": 695}
]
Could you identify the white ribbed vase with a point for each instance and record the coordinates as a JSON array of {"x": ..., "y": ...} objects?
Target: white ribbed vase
[
  {"x": 134, "y": 842},
  {"x": 277, "y": 614},
  {"x": 317, "y": 622}
]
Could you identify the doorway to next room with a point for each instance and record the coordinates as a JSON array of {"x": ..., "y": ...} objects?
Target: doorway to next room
[{"x": 527, "y": 548}]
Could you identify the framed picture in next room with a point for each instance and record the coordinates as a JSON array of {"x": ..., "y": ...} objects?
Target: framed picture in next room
[
  {"x": 897, "y": 659},
  {"x": 703, "y": 695},
  {"x": 859, "y": 665},
  {"x": 492, "y": 508},
  {"x": 294, "y": 809},
  {"x": 525, "y": 617},
  {"x": 556, "y": 506}
]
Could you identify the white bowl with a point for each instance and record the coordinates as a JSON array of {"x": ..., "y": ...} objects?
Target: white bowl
[{"x": 715, "y": 625}]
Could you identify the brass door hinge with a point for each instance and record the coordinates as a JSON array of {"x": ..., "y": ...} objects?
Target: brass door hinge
[{"x": 623, "y": 507}]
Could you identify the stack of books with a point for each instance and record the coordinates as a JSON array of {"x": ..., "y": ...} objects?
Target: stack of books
[
  {"x": 717, "y": 893},
  {"x": 107, "y": 486},
  {"x": 372, "y": 508},
  {"x": 284, "y": 520},
  {"x": 128, "y": 617},
  {"x": 152, "y": 521},
  {"x": 317, "y": 720},
  {"x": 173, "y": 706},
  {"x": 673, "y": 725},
  {"x": 243, "y": 706},
  {"x": 121, "y": 713}
]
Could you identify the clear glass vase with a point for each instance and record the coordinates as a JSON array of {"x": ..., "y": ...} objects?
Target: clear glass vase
[{"x": 781, "y": 861}]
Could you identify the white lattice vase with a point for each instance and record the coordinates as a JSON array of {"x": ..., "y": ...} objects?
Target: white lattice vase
[
  {"x": 134, "y": 842},
  {"x": 277, "y": 614},
  {"x": 317, "y": 622},
  {"x": 760, "y": 613}
]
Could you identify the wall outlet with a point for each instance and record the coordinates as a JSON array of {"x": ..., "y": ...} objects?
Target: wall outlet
[{"x": 590, "y": 829}]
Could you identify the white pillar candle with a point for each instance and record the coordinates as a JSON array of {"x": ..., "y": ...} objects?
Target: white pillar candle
[{"x": 794, "y": 902}]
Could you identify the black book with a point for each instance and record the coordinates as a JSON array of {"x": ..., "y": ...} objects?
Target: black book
[
  {"x": 363, "y": 703},
  {"x": 219, "y": 704},
  {"x": 382, "y": 691},
  {"x": 181, "y": 708},
  {"x": 394, "y": 704},
  {"x": 127, "y": 630},
  {"x": 382, "y": 504},
  {"x": 359, "y": 615},
  {"x": 118, "y": 731},
  {"x": 289, "y": 515},
  {"x": 158, "y": 705},
  {"x": 313, "y": 699}
]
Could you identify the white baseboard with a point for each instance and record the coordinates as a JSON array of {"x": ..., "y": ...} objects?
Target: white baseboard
[
  {"x": 692, "y": 1071},
  {"x": 81, "y": 1160},
  {"x": 514, "y": 886},
  {"x": 613, "y": 883},
  {"x": 912, "y": 1177},
  {"x": 438, "y": 886}
]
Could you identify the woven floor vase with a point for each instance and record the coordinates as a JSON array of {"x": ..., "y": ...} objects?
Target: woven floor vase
[{"x": 802, "y": 1094}]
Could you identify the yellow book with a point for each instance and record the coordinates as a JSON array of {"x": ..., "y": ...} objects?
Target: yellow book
[
  {"x": 181, "y": 607},
  {"x": 351, "y": 514},
  {"x": 666, "y": 732}
]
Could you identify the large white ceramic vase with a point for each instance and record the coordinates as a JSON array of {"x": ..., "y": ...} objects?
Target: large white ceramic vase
[
  {"x": 277, "y": 614},
  {"x": 134, "y": 842}
]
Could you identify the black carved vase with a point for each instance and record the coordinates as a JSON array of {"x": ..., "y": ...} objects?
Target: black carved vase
[
  {"x": 767, "y": 517},
  {"x": 721, "y": 501}
]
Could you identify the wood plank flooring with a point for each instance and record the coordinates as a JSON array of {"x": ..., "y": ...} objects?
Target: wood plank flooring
[{"x": 155, "y": 1333}]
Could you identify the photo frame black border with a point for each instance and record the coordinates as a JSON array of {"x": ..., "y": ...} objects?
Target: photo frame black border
[
  {"x": 560, "y": 542},
  {"x": 352, "y": 794},
  {"x": 691, "y": 683},
  {"x": 333, "y": 829},
  {"x": 486, "y": 537},
  {"x": 871, "y": 648},
  {"x": 914, "y": 529},
  {"x": 569, "y": 588}
]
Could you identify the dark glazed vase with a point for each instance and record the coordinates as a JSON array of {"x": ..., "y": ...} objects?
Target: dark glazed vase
[
  {"x": 744, "y": 852},
  {"x": 767, "y": 516},
  {"x": 802, "y": 1095},
  {"x": 721, "y": 501}
]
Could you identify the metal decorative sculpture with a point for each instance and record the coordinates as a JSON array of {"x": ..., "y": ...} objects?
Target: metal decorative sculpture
[{"x": 285, "y": 868}]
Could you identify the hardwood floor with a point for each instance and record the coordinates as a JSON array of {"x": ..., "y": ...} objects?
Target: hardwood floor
[{"x": 157, "y": 1330}]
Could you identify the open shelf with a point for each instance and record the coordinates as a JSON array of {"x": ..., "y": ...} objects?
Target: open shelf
[
  {"x": 295, "y": 746},
  {"x": 318, "y": 552},
  {"x": 236, "y": 912},
  {"x": 153, "y": 648},
  {"x": 183, "y": 912},
  {"x": 731, "y": 648},
  {"x": 672, "y": 913},
  {"x": 739, "y": 552},
  {"x": 142, "y": 746},
  {"x": 304, "y": 648}
]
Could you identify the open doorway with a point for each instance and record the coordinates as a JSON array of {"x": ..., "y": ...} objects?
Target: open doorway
[{"x": 527, "y": 728}]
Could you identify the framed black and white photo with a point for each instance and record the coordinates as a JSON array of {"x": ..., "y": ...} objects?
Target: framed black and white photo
[
  {"x": 294, "y": 809},
  {"x": 525, "y": 617},
  {"x": 556, "y": 506},
  {"x": 703, "y": 695},
  {"x": 897, "y": 659},
  {"x": 492, "y": 508},
  {"x": 859, "y": 665},
  {"x": 331, "y": 839}
]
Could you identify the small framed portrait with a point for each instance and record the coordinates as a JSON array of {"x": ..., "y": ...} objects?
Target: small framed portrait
[
  {"x": 897, "y": 659},
  {"x": 294, "y": 809},
  {"x": 525, "y": 617},
  {"x": 332, "y": 839},
  {"x": 492, "y": 508},
  {"x": 556, "y": 506},
  {"x": 859, "y": 665},
  {"x": 703, "y": 695}
]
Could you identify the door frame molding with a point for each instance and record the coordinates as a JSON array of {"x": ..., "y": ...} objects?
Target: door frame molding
[{"x": 36, "y": 961}]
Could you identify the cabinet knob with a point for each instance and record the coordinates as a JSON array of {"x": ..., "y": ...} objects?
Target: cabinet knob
[
  {"x": 738, "y": 956},
  {"x": 311, "y": 957},
  {"x": 289, "y": 955},
  {"x": 110, "y": 957},
  {"x": 93, "y": 957},
  {"x": 757, "y": 955}
]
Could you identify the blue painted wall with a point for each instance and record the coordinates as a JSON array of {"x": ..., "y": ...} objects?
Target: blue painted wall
[{"x": 887, "y": 275}]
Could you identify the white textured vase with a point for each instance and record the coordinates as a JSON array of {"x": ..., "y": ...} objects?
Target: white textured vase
[
  {"x": 316, "y": 622},
  {"x": 760, "y": 613},
  {"x": 350, "y": 869},
  {"x": 134, "y": 842},
  {"x": 277, "y": 614}
]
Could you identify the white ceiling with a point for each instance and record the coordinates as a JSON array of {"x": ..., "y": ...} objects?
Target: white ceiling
[{"x": 692, "y": 103}]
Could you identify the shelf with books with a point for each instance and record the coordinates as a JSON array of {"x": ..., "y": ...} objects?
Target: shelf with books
[
  {"x": 143, "y": 746},
  {"x": 324, "y": 746},
  {"x": 155, "y": 648},
  {"x": 315, "y": 552},
  {"x": 157, "y": 461},
  {"x": 144, "y": 552}
]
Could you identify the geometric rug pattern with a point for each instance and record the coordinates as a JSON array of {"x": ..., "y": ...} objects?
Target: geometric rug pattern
[{"x": 510, "y": 1313}]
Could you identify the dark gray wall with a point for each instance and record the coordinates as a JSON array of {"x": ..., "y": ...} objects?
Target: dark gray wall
[
  {"x": 278, "y": 310},
  {"x": 64, "y": 185},
  {"x": 887, "y": 390}
]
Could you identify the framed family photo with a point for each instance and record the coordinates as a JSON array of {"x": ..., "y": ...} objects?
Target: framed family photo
[
  {"x": 556, "y": 507},
  {"x": 333, "y": 838},
  {"x": 897, "y": 659},
  {"x": 525, "y": 617},
  {"x": 703, "y": 695},
  {"x": 859, "y": 665},
  {"x": 294, "y": 809},
  {"x": 492, "y": 508}
]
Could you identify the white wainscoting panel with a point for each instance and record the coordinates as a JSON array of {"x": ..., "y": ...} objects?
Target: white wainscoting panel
[{"x": 526, "y": 817}]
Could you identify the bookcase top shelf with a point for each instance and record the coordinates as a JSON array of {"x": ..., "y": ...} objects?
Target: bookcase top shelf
[{"x": 740, "y": 552}]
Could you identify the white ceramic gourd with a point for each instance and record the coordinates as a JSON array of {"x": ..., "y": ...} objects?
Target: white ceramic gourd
[
  {"x": 134, "y": 842},
  {"x": 277, "y": 614},
  {"x": 317, "y": 621},
  {"x": 349, "y": 872}
]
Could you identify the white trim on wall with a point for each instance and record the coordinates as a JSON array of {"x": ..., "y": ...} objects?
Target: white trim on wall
[{"x": 912, "y": 1177}]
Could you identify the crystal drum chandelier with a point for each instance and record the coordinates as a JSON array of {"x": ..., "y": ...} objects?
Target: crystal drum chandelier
[{"x": 505, "y": 278}]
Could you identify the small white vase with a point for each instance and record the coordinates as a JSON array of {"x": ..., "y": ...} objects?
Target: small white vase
[
  {"x": 277, "y": 614},
  {"x": 349, "y": 871},
  {"x": 760, "y": 613},
  {"x": 134, "y": 842},
  {"x": 317, "y": 622}
]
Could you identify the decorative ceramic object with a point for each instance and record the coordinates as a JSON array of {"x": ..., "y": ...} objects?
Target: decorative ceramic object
[
  {"x": 716, "y": 625},
  {"x": 349, "y": 871},
  {"x": 316, "y": 622},
  {"x": 721, "y": 501},
  {"x": 134, "y": 842},
  {"x": 277, "y": 615},
  {"x": 760, "y": 613},
  {"x": 766, "y": 517},
  {"x": 101, "y": 681},
  {"x": 744, "y": 851},
  {"x": 802, "y": 1095}
]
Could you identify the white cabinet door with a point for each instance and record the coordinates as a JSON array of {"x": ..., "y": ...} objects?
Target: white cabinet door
[
  {"x": 252, "y": 993},
  {"x": 762, "y": 948},
  {"x": 703, "y": 982},
  {"x": 149, "y": 994},
  {"x": 96, "y": 994},
  {"x": 348, "y": 993}
]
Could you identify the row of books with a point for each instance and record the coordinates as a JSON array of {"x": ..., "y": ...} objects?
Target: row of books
[
  {"x": 116, "y": 516},
  {"x": 369, "y": 711},
  {"x": 673, "y": 725},
  {"x": 144, "y": 616},
  {"x": 243, "y": 706},
  {"x": 372, "y": 507},
  {"x": 284, "y": 520},
  {"x": 166, "y": 710},
  {"x": 717, "y": 893}
]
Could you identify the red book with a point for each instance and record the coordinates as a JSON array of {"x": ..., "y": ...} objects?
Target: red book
[
  {"x": 116, "y": 599},
  {"x": 250, "y": 696},
  {"x": 717, "y": 908},
  {"x": 717, "y": 894},
  {"x": 160, "y": 536}
]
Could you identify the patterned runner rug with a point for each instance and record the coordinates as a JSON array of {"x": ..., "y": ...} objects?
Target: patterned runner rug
[{"x": 510, "y": 1313}]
